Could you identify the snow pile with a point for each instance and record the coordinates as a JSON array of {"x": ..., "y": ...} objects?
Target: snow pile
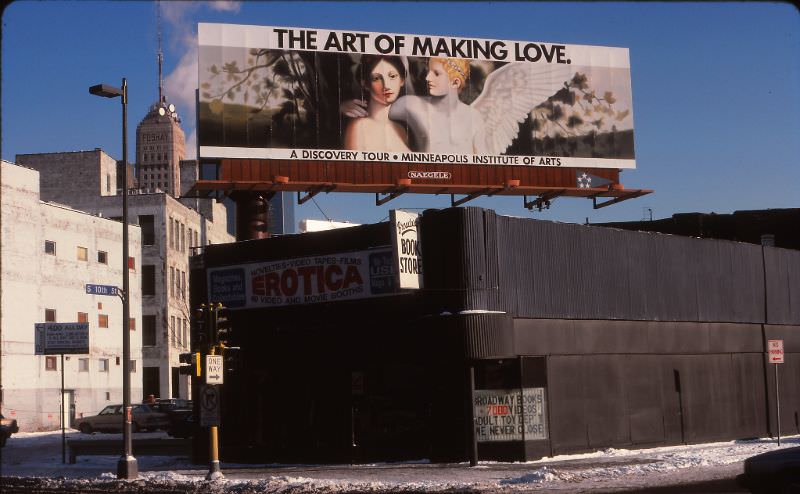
[
  {"x": 543, "y": 474},
  {"x": 33, "y": 461}
]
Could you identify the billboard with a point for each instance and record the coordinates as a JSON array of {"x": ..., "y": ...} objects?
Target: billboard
[
  {"x": 304, "y": 280},
  {"x": 282, "y": 93}
]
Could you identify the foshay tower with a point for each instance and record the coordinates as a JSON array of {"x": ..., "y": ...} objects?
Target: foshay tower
[{"x": 160, "y": 141}]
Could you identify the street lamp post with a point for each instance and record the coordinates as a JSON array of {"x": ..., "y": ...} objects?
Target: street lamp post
[{"x": 127, "y": 467}]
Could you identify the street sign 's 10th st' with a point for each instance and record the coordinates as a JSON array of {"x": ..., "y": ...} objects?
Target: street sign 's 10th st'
[{"x": 110, "y": 290}]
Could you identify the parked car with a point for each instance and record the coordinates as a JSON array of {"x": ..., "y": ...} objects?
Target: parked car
[
  {"x": 110, "y": 419},
  {"x": 182, "y": 424},
  {"x": 169, "y": 404},
  {"x": 7, "y": 427},
  {"x": 772, "y": 472}
]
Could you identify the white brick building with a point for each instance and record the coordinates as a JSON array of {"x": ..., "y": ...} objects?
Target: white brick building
[
  {"x": 170, "y": 228},
  {"x": 49, "y": 252}
]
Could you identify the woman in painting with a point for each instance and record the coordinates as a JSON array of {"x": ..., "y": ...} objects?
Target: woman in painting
[
  {"x": 442, "y": 123},
  {"x": 383, "y": 77}
]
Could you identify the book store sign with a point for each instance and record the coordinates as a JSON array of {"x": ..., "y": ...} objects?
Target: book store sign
[
  {"x": 510, "y": 414},
  {"x": 406, "y": 248},
  {"x": 54, "y": 338}
]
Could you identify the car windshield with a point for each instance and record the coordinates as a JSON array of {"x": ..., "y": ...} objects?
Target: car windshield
[{"x": 109, "y": 410}]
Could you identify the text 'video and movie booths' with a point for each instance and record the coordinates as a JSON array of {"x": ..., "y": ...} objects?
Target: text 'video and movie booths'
[
  {"x": 313, "y": 110},
  {"x": 527, "y": 338}
]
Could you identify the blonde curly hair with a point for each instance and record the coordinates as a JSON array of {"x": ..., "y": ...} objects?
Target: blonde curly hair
[{"x": 456, "y": 68}]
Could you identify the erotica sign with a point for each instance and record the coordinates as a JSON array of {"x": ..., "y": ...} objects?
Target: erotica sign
[{"x": 305, "y": 280}]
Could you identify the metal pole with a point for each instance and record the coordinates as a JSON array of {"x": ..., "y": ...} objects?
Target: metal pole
[
  {"x": 127, "y": 466},
  {"x": 473, "y": 440},
  {"x": 214, "y": 472},
  {"x": 63, "y": 426},
  {"x": 777, "y": 404}
]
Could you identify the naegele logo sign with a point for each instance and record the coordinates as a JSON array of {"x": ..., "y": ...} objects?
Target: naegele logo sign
[
  {"x": 430, "y": 175},
  {"x": 304, "y": 280},
  {"x": 291, "y": 93}
]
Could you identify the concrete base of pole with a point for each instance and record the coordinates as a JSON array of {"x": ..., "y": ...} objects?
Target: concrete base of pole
[
  {"x": 214, "y": 472},
  {"x": 127, "y": 468}
]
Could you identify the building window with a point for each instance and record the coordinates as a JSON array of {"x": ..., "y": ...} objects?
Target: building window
[
  {"x": 189, "y": 240},
  {"x": 172, "y": 281},
  {"x": 132, "y": 365},
  {"x": 102, "y": 365},
  {"x": 50, "y": 315},
  {"x": 108, "y": 182},
  {"x": 183, "y": 285},
  {"x": 148, "y": 330},
  {"x": 99, "y": 305},
  {"x": 102, "y": 257},
  {"x": 172, "y": 233},
  {"x": 102, "y": 320},
  {"x": 50, "y": 247},
  {"x": 83, "y": 254},
  {"x": 196, "y": 242},
  {"x": 147, "y": 223},
  {"x": 183, "y": 237},
  {"x": 83, "y": 317},
  {"x": 172, "y": 330},
  {"x": 117, "y": 360},
  {"x": 83, "y": 365},
  {"x": 108, "y": 396},
  {"x": 50, "y": 363},
  {"x": 148, "y": 279},
  {"x": 132, "y": 322},
  {"x": 185, "y": 333}
]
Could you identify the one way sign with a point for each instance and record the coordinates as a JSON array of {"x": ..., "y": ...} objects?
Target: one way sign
[{"x": 213, "y": 369}]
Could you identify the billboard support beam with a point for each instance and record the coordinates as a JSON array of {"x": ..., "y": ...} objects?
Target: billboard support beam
[
  {"x": 615, "y": 200},
  {"x": 314, "y": 191},
  {"x": 399, "y": 189},
  {"x": 469, "y": 197}
]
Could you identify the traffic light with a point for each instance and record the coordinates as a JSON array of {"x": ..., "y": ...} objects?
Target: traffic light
[
  {"x": 222, "y": 325},
  {"x": 185, "y": 360},
  {"x": 200, "y": 318},
  {"x": 190, "y": 363}
]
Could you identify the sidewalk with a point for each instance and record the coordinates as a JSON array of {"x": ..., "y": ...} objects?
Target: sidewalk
[{"x": 39, "y": 455}]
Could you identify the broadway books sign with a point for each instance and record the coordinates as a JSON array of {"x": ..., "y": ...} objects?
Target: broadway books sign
[
  {"x": 304, "y": 280},
  {"x": 322, "y": 95}
]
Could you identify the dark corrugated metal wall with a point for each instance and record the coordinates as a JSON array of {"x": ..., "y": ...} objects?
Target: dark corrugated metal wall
[{"x": 554, "y": 270}]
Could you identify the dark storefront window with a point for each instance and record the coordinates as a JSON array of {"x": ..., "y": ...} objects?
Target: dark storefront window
[
  {"x": 148, "y": 330},
  {"x": 148, "y": 279},
  {"x": 148, "y": 229}
]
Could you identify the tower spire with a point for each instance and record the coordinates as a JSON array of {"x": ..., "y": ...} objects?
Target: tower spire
[{"x": 160, "y": 56}]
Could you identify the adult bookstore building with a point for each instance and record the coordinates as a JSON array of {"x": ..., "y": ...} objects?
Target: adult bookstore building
[{"x": 526, "y": 339}]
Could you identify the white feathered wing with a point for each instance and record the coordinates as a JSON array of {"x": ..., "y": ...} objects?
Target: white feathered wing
[{"x": 510, "y": 93}]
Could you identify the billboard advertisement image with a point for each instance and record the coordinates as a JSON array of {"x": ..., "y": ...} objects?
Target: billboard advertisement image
[{"x": 287, "y": 93}]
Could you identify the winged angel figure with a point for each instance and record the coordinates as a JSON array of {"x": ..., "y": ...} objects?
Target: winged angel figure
[{"x": 441, "y": 123}]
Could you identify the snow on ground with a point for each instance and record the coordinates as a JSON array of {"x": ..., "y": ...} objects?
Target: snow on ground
[{"x": 38, "y": 455}]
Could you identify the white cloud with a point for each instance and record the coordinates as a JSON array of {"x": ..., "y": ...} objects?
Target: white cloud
[
  {"x": 225, "y": 6},
  {"x": 181, "y": 83},
  {"x": 190, "y": 146}
]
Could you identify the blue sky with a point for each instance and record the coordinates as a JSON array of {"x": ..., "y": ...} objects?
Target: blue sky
[{"x": 716, "y": 86}]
